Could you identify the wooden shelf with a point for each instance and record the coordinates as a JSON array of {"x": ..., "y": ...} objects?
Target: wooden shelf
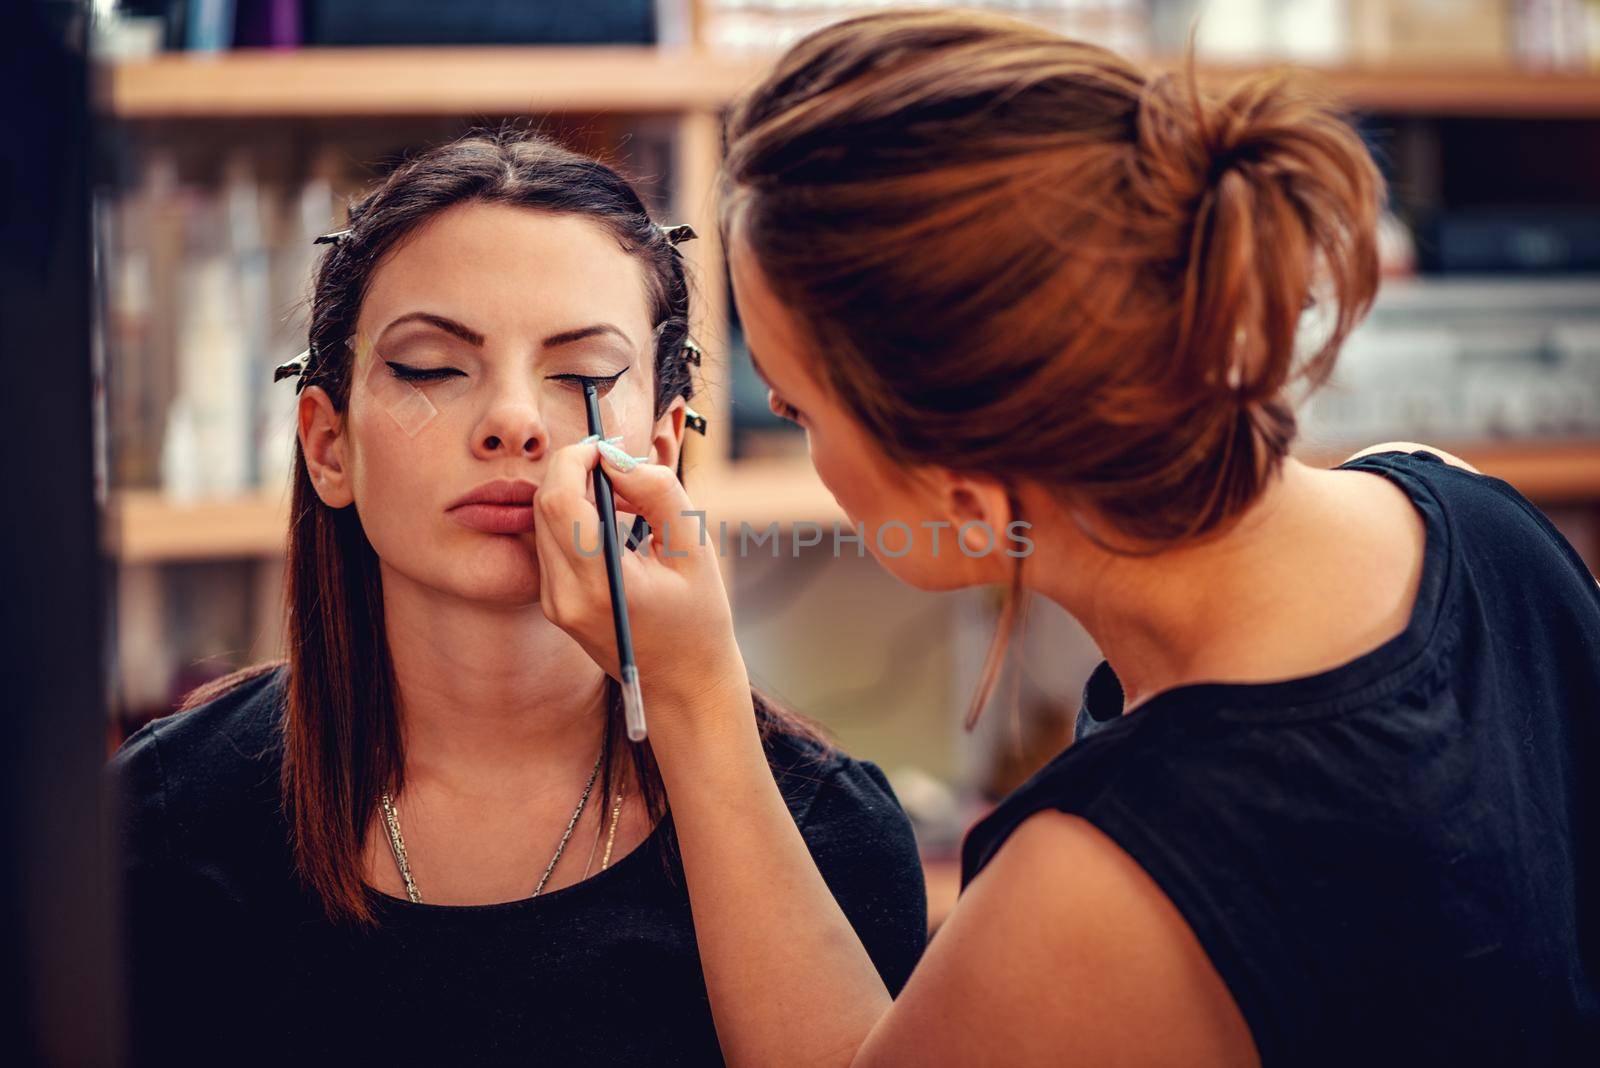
[
  {"x": 760, "y": 492},
  {"x": 1487, "y": 92},
  {"x": 327, "y": 82},
  {"x": 146, "y": 527}
]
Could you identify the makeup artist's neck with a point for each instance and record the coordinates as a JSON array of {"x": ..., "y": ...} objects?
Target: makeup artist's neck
[
  {"x": 489, "y": 692},
  {"x": 1322, "y": 568}
]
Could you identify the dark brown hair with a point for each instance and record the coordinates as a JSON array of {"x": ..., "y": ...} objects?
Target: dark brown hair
[
  {"x": 1019, "y": 252},
  {"x": 341, "y": 728}
]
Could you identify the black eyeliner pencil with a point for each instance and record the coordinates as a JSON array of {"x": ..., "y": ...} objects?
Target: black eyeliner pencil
[{"x": 632, "y": 699}]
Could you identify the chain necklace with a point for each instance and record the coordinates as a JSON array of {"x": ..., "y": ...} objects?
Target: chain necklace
[
  {"x": 611, "y": 836},
  {"x": 397, "y": 844}
]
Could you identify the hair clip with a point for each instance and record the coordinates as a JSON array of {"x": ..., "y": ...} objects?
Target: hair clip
[
  {"x": 293, "y": 368},
  {"x": 694, "y": 421},
  {"x": 638, "y": 533},
  {"x": 693, "y": 351},
  {"x": 677, "y": 235},
  {"x": 332, "y": 238}
]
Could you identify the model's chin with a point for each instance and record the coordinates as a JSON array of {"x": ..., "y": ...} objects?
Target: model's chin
[
  {"x": 501, "y": 570},
  {"x": 521, "y": 592}
]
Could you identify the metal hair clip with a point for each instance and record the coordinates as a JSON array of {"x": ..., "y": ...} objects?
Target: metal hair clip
[
  {"x": 294, "y": 368},
  {"x": 695, "y": 352},
  {"x": 678, "y": 234},
  {"x": 332, "y": 238},
  {"x": 694, "y": 421}
]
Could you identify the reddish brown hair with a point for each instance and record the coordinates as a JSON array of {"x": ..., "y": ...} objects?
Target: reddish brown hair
[
  {"x": 341, "y": 727},
  {"x": 1019, "y": 252}
]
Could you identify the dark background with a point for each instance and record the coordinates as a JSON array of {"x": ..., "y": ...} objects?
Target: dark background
[{"x": 55, "y": 918}]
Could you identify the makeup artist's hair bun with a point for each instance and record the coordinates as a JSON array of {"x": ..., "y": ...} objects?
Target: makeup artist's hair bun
[
  {"x": 1021, "y": 253},
  {"x": 1279, "y": 202}
]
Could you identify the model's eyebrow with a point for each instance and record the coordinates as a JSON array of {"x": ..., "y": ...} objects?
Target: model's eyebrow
[
  {"x": 449, "y": 326},
  {"x": 583, "y": 333},
  {"x": 475, "y": 339}
]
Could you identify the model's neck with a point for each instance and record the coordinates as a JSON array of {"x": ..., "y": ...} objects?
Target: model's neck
[{"x": 488, "y": 695}]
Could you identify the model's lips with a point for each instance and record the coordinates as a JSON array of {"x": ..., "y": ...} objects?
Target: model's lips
[{"x": 504, "y": 506}]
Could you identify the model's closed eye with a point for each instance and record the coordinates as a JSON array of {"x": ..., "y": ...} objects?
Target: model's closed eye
[
  {"x": 408, "y": 373},
  {"x": 602, "y": 383}
]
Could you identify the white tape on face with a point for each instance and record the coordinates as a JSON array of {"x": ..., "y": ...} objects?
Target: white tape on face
[{"x": 412, "y": 405}]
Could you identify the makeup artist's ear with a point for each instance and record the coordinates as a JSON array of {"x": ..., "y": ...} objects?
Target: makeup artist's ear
[
  {"x": 984, "y": 504},
  {"x": 666, "y": 439},
  {"x": 322, "y": 440}
]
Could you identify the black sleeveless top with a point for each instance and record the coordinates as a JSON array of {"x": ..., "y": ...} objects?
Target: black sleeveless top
[{"x": 1396, "y": 861}]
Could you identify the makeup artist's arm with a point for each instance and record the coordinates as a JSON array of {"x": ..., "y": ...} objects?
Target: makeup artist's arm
[
  {"x": 789, "y": 980},
  {"x": 1063, "y": 951}
]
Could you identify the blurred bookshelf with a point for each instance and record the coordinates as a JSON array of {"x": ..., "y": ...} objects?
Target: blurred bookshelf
[
  {"x": 648, "y": 80},
  {"x": 687, "y": 86},
  {"x": 148, "y": 527},
  {"x": 222, "y": 163},
  {"x": 423, "y": 81}
]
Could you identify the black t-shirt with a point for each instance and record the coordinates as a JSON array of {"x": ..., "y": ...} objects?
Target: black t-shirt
[
  {"x": 1395, "y": 861},
  {"x": 232, "y": 961}
]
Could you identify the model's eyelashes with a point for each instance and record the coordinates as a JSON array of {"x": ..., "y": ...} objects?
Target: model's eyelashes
[
  {"x": 407, "y": 373},
  {"x": 602, "y": 383}
]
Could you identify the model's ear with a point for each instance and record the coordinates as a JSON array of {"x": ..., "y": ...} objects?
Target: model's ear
[
  {"x": 666, "y": 439},
  {"x": 322, "y": 441}
]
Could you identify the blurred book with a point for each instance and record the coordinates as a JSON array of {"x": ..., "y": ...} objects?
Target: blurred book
[
  {"x": 1467, "y": 360},
  {"x": 267, "y": 24},
  {"x": 1412, "y": 33},
  {"x": 1558, "y": 34},
  {"x": 463, "y": 22},
  {"x": 1486, "y": 240},
  {"x": 764, "y": 27}
]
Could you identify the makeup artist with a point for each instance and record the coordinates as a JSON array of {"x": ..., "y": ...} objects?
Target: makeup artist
[
  {"x": 424, "y": 839},
  {"x": 1335, "y": 796}
]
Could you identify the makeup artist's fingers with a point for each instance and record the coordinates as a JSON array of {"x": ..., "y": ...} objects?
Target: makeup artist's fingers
[
  {"x": 574, "y": 590},
  {"x": 565, "y": 519},
  {"x": 676, "y": 597},
  {"x": 569, "y": 468},
  {"x": 653, "y": 491}
]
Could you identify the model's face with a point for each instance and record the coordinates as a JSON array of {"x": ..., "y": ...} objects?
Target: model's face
[
  {"x": 469, "y": 355},
  {"x": 894, "y": 504}
]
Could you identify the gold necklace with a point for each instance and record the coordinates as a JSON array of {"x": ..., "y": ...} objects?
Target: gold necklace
[
  {"x": 611, "y": 836},
  {"x": 397, "y": 844}
]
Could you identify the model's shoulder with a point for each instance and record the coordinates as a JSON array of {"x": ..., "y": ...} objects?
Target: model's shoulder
[
  {"x": 226, "y": 737},
  {"x": 820, "y": 781},
  {"x": 800, "y": 755}
]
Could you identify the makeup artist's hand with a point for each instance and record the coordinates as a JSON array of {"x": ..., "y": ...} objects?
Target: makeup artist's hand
[{"x": 677, "y": 605}]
